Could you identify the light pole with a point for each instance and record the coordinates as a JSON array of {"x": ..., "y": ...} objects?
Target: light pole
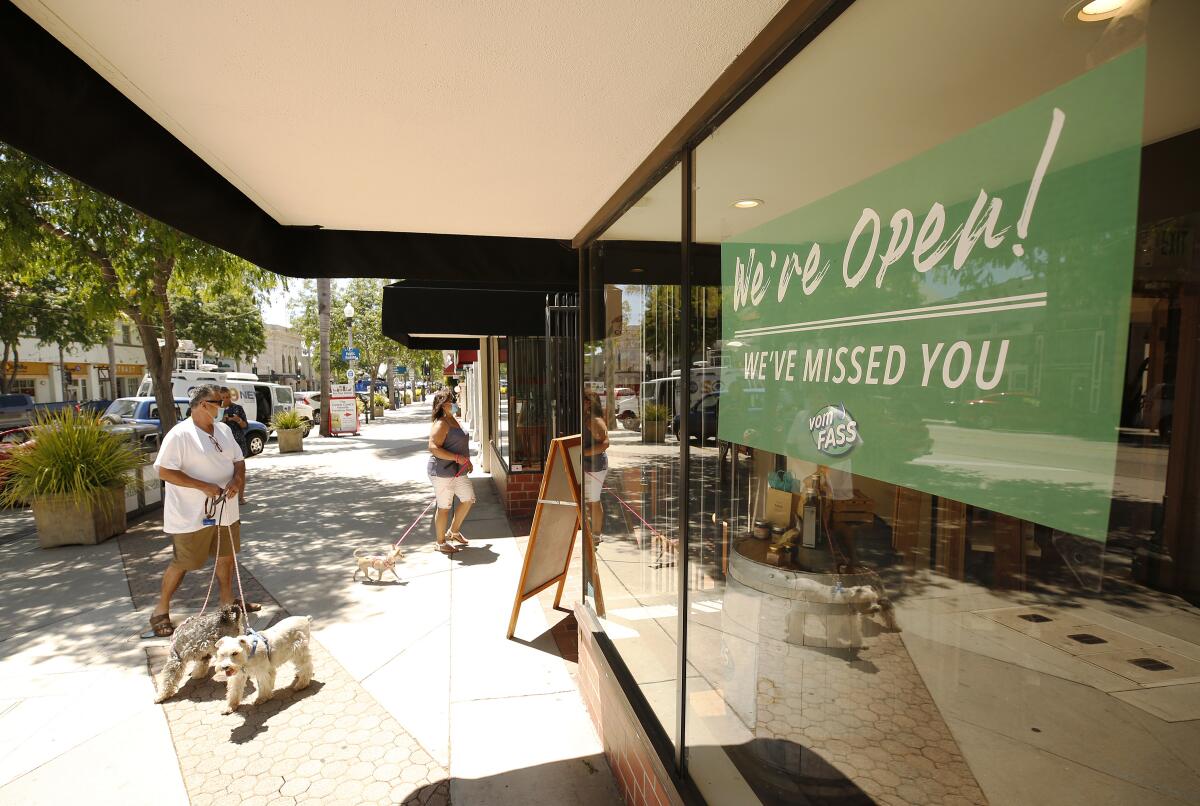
[{"x": 348, "y": 312}]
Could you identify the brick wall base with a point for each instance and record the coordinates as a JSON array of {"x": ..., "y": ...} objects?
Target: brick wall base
[
  {"x": 518, "y": 491},
  {"x": 641, "y": 777}
]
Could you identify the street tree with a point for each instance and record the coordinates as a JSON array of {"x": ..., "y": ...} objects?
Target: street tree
[
  {"x": 223, "y": 320},
  {"x": 366, "y": 297},
  {"x": 130, "y": 261},
  {"x": 36, "y": 301}
]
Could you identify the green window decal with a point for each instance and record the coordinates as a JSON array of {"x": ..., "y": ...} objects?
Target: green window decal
[{"x": 969, "y": 306}]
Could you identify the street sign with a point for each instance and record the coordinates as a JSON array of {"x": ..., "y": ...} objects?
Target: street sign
[
  {"x": 401, "y": 370},
  {"x": 351, "y": 354},
  {"x": 350, "y": 375}
]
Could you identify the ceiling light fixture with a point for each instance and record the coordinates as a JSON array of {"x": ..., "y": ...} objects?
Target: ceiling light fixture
[
  {"x": 1098, "y": 10},
  {"x": 746, "y": 204}
]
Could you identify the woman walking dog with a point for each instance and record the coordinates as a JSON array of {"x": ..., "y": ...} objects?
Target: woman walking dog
[{"x": 449, "y": 465}]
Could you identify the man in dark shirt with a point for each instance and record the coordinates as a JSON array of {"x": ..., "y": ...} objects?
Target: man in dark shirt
[{"x": 235, "y": 418}]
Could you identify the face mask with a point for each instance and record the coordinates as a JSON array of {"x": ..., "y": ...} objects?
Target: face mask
[
  {"x": 454, "y": 409},
  {"x": 220, "y": 413}
]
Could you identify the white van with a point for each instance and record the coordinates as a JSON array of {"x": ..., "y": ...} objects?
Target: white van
[{"x": 261, "y": 400}]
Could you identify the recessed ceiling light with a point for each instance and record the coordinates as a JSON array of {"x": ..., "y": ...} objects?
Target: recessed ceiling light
[
  {"x": 746, "y": 204},
  {"x": 1098, "y": 10},
  {"x": 637, "y": 270}
]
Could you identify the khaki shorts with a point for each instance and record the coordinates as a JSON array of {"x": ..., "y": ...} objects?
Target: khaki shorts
[{"x": 193, "y": 549}]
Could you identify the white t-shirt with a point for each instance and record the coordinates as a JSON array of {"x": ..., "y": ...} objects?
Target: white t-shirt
[{"x": 193, "y": 451}]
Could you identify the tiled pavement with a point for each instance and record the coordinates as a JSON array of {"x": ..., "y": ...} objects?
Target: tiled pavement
[{"x": 331, "y": 743}]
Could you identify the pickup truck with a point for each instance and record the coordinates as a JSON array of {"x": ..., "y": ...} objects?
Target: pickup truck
[
  {"x": 145, "y": 410},
  {"x": 17, "y": 411}
]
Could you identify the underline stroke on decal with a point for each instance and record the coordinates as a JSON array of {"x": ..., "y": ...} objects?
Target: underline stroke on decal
[{"x": 1036, "y": 300}]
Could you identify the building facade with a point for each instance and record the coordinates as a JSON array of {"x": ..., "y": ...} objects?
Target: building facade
[
  {"x": 930, "y": 537},
  {"x": 81, "y": 374},
  {"x": 282, "y": 359}
]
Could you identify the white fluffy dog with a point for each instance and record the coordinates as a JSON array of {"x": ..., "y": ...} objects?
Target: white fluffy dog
[{"x": 260, "y": 655}]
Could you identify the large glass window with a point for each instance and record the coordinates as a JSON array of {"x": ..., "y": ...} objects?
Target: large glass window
[
  {"x": 521, "y": 434},
  {"x": 954, "y": 587},
  {"x": 632, "y": 481}
]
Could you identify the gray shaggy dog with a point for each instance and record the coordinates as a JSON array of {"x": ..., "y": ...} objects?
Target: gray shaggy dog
[{"x": 194, "y": 642}]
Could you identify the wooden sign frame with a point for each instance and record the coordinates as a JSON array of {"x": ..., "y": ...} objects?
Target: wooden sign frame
[{"x": 547, "y": 534}]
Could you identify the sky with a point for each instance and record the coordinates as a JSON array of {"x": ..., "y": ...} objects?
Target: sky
[{"x": 276, "y": 311}]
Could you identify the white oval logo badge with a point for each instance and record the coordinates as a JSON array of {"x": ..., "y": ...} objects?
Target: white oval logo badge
[{"x": 834, "y": 431}]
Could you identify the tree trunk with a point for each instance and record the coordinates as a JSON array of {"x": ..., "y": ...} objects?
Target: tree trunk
[
  {"x": 62, "y": 373},
  {"x": 8, "y": 378},
  {"x": 112, "y": 370},
  {"x": 323, "y": 317}
]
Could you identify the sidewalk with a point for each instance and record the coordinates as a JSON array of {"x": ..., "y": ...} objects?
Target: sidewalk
[{"x": 418, "y": 696}]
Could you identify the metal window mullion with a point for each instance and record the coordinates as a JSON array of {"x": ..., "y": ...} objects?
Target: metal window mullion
[{"x": 685, "y": 385}]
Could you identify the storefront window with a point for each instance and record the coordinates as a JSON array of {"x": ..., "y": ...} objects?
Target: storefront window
[
  {"x": 521, "y": 437},
  {"x": 632, "y": 489},
  {"x": 922, "y": 569},
  {"x": 501, "y": 396}
]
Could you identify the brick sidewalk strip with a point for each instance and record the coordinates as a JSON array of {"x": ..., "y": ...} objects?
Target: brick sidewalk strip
[{"x": 331, "y": 743}]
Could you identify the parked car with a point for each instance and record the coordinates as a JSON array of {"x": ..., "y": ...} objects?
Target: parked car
[
  {"x": 94, "y": 407},
  {"x": 145, "y": 410},
  {"x": 9, "y": 440},
  {"x": 262, "y": 400},
  {"x": 702, "y": 418},
  {"x": 15, "y": 410}
]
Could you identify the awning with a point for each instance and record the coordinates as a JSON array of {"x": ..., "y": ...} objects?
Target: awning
[
  {"x": 445, "y": 317},
  {"x": 54, "y": 107}
]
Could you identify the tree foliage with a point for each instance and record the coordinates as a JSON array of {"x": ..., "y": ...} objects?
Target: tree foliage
[
  {"x": 124, "y": 260},
  {"x": 366, "y": 296},
  {"x": 38, "y": 302},
  {"x": 224, "y": 321}
]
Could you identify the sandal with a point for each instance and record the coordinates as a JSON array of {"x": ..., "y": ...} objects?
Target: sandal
[
  {"x": 161, "y": 625},
  {"x": 446, "y": 548},
  {"x": 457, "y": 538},
  {"x": 252, "y": 607}
]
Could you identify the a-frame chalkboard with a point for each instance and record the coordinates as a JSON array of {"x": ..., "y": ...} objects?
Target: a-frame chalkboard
[{"x": 555, "y": 522}]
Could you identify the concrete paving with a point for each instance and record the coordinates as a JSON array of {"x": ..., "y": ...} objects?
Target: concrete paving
[{"x": 420, "y": 665}]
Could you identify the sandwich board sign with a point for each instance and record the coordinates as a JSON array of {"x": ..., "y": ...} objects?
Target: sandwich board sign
[
  {"x": 343, "y": 409},
  {"x": 555, "y": 523}
]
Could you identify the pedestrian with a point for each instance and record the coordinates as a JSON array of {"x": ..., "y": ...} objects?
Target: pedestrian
[
  {"x": 204, "y": 471},
  {"x": 595, "y": 461},
  {"x": 449, "y": 464},
  {"x": 235, "y": 418}
]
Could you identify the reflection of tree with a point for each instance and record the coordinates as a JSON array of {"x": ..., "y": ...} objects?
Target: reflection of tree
[{"x": 661, "y": 319}]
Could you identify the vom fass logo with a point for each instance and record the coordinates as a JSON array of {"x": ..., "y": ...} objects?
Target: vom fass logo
[{"x": 834, "y": 431}]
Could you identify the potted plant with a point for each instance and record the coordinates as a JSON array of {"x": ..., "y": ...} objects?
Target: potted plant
[
  {"x": 654, "y": 422},
  {"x": 379, "y": 403},
  {"x": 73, "y": 473},
  {"x": 289, "y": 431}
]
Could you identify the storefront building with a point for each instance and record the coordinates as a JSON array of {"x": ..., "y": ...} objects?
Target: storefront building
[
  {"x": 79, "y": 374},
  {"x": 923, "y": 529},
  {"x": 928, "y": 531}
]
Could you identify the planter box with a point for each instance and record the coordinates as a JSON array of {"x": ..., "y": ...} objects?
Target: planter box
[
  {"x": 654, "y": 431},
  {"x": 290, "y": 440},
  {"x": 63, "y": 522},
  {"x": 377, "y": 412}
]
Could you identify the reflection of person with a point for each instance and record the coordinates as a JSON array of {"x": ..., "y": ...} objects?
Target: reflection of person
[
  {"x": 595, "y": 460},
  {"x": 202, "y": 467},
  {"x": 235, "y": 418},
  {"x": 449, "y": 465}
]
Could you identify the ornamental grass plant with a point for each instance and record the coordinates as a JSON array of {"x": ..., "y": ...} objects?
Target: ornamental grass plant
[
  {"x": 70, "y": 456},
  {"x": 655, "y": 413},
  {"x": 287, "y": 420}
]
